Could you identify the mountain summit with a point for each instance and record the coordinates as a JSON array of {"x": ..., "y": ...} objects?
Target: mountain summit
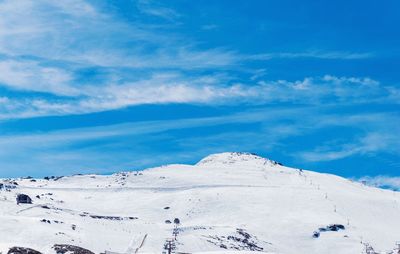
[{"x": 228, "y": 158}]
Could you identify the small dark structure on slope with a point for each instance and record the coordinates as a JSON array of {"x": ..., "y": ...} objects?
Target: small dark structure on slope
[
  {"x": 70, "y": 249},
  {"x": 23, "y": 199},
  {"x": 21, "y": 250},
  {"x": 332, "y": 227}
]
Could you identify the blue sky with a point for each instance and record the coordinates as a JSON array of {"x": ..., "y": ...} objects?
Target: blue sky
[{"x": 104, "y": 86}]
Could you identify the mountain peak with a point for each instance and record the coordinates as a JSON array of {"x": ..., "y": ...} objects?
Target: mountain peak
[{"x": 228, "y": 158}]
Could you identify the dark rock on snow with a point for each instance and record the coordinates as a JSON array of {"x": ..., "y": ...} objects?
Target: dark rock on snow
[
  {"x": 70, "y": 249},
  {"x": 23, "y": 199},
  {"x": 21, "y": 250},
  {"x": 332, "y": 227}
]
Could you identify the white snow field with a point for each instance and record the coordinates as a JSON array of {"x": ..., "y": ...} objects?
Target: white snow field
[{"x": 226, "y": 203}]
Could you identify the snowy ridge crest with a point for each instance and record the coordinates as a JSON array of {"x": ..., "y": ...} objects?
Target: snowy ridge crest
[{"x": 229, "y": 158}]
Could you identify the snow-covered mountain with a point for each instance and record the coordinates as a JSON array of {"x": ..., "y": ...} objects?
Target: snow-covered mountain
[{"x": 226, "y": 202}]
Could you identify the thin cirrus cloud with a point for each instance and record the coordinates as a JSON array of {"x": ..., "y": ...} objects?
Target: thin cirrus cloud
[
  {"x": 371, "y": 143},
  {"x": 30, "y": 76},
  {"x": 376, "y": 133},
  {"x": 86, "y": 35},
  {"x": 319, "y": 54},
  {"x": 44, "y": 52},
  {"x": 55, "y": 144},
  {"x": 81, "y": 33},
  {"x": 382, "y": 181},
  {"x": 176, "y": 88},
  {"x": 153, "y": 8}
]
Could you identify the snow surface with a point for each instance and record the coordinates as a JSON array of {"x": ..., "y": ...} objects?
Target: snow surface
[{"x": 219, "y": 201}]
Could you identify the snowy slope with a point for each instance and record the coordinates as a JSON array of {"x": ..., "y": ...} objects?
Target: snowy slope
[{"x": 227, "y": 202}]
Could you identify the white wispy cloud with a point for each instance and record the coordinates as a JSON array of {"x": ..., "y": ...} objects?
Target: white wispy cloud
[
  {"x": 155, "y": 8},
  {"x": 390, "y": 182},
  {"x": 319, "y": 54},
  {"x": 79, "y": 32},
  {"x": 60, "y": 150},
  {"x": 371, "y": 143},
  {"x": 30, "y": 76},
  {"x": 44, "y": 52},
  {"x": 209, "y": 27},
  {"x": 163, "y": 88},
  {"x": 64, "y": 148}
]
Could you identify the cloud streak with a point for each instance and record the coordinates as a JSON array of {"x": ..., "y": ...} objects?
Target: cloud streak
[
  {"x": 318, "y": 54},
  {"x": 30, "y": 76},
  {"x": 268, "y": 129},
  {"x": 43, "y": 54},
  {"x": 371, "y": 143},
  {"x": 154, "y": 8},
  {"x": 381, "y": 181},
  {"x": 164, "y": 88}
]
